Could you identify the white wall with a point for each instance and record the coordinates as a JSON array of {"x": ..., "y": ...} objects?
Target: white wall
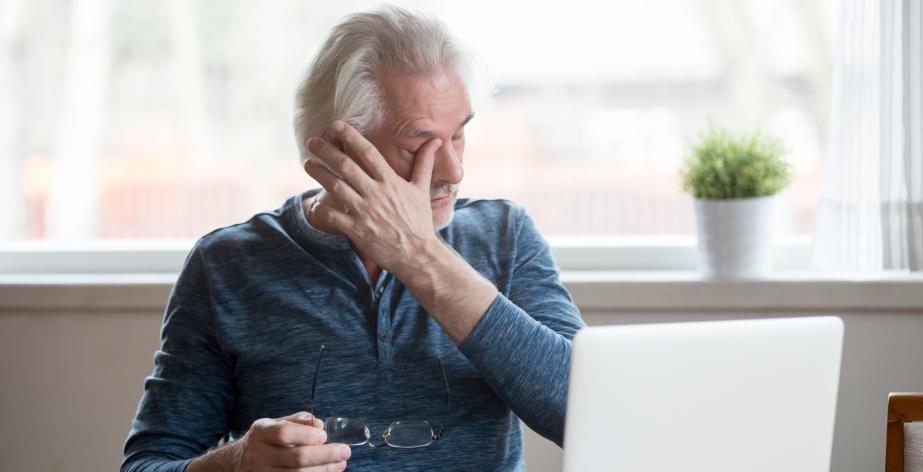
[
  {"x": 71, "y": 383},
  {"x": 71, "y": 380}
]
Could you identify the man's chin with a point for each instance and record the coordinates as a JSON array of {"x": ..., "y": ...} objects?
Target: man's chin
[
  {"x": 442, "y": 215},
  {"x": 445, "y": 221}
]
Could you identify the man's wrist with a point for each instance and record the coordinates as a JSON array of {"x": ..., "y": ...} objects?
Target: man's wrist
[
  {"x": 220, "y": 459},
  {"x": 448, "y": 288},
  {"x": 427, "y": 266}
]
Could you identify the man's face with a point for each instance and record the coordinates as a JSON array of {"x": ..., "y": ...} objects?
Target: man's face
[{"x": 419, "y": 108}]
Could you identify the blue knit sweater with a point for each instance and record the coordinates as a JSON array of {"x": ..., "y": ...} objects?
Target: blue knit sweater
[{"x": 255, "y": 301}]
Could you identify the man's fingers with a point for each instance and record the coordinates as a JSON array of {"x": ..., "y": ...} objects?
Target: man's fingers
[
  {"x": 361, "y": 149},
  {"x": 423, "y": 164},
  {"x": 304, "y": 418},
  {"x": 340, "y": 163},
  {"x": 337, "y": 467},
  {"x": 313, "y": 422},
  {"x": 331, "y": 183},
  {"x": 299, "y": 417},
  {"x": 336, "y": 218},
  {"x": 286, "y": 433},
  {"x": 308, "y": 456}
]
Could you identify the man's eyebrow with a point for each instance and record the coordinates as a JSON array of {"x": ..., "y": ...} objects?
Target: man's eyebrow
[{"x": 420, "y": 133}]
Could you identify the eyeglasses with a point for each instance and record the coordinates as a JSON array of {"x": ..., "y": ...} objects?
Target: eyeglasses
[{"x": 405, "y": 433}]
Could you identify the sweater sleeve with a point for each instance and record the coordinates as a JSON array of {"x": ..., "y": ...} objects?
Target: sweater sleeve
[
  {"x": 522, "y": 344},
  {"x": 184, "y": 408}
]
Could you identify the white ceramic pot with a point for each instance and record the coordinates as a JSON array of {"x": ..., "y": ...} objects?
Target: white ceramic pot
[{"x": 735, "y": 237}]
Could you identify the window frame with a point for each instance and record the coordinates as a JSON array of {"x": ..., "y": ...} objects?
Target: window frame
[{"x": 604, "y": 275}]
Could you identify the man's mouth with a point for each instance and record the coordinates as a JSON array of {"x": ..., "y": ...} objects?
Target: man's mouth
[
  {"x": 442, "y": 200},
  {"x": 442, "y": 194}
]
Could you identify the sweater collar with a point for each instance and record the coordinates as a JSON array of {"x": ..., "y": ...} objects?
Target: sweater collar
[{"x": 307, "y": 232}]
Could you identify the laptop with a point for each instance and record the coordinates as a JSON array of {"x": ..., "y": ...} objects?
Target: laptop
[{"x": 717, "y": 396}]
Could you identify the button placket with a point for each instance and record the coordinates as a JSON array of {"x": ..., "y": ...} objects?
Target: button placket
[{"x": 384, "y": 336}]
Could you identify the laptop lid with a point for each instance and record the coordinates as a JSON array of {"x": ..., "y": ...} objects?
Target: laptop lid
[{"x": 754, "y": 395}]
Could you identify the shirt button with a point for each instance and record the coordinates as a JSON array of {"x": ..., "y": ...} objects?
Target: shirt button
[{"x": 383, "y": 337}]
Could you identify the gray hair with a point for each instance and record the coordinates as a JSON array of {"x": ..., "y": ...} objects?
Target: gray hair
[{"x": 341, "y": 81}]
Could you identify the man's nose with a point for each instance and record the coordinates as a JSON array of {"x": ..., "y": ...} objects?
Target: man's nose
[{"x": 447, "y": 166}]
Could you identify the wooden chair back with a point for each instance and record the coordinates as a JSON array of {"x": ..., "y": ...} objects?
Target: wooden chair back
[{"x": 902, "y": 408}]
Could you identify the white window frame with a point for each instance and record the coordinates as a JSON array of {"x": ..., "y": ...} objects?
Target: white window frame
[{"x": 140, "y": 257}]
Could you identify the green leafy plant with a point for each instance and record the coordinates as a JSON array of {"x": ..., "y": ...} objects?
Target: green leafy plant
[{"x": 724, "y": 165}]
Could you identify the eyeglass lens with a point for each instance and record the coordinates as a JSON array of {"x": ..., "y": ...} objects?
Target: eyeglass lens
[
  {"x": 346, "y": 431},
  {"x": 409, "y": 433}
]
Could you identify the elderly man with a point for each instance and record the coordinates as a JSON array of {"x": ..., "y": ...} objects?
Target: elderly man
[{"x": 380, "y": 311}]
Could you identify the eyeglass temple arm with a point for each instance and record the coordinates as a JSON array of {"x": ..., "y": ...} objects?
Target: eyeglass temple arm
[
  {"x": 320, "y": 357},
  {"x": 445, "y": 382}
]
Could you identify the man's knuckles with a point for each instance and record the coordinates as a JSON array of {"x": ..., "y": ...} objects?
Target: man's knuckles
[
  {"x": 262, "y": 424},
  {"x": 337, "y": 187}
]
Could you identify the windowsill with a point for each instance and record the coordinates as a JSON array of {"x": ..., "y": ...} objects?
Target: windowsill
[
  {"x": 593, "y": 291},
  {"x": 687, "y": 290}
]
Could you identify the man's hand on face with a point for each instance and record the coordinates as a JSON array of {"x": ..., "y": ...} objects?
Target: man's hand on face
[
  {"x": 388, "y": 218},
  {"x": 292, "y": 443}
]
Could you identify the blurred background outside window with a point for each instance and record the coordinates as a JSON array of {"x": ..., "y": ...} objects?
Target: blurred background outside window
[{"x": 167, "y": 119}]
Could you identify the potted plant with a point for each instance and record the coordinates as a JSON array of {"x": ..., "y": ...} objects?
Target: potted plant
[{"x": 734, "y": 180}]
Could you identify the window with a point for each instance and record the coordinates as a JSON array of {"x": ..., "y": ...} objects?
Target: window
[{"x": 163, "y": 120}]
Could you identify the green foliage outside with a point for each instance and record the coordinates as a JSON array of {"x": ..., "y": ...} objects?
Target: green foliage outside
[{"x": 724, "y": 165}]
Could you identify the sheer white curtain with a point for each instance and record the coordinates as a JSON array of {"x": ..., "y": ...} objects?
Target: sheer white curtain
[{"x": 871, "y": 210}]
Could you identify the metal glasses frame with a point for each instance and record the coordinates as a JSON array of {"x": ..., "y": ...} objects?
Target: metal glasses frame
[{"x": 437, "y": 432}]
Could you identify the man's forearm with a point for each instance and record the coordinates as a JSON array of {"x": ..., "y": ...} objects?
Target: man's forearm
[
  {"x": 449, "y": 289},
  {"x": 525, "y": 362},
  {"x": 220, "y": 459}
]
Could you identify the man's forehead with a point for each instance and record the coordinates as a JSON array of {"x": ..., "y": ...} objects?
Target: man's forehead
[{"x": 419, "y": 104}]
